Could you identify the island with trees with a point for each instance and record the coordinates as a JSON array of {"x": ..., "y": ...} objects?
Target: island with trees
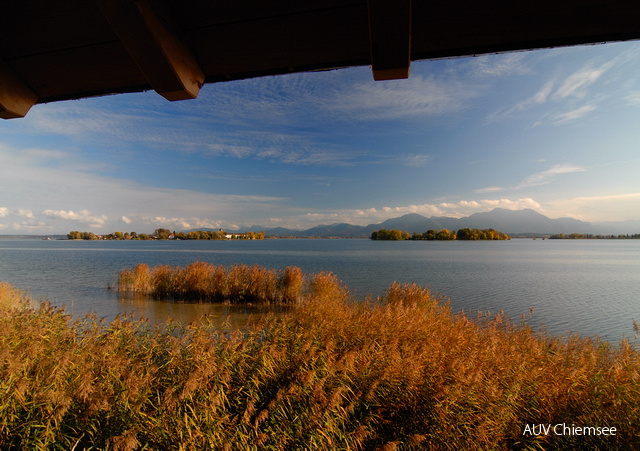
[
  {"x": 166, "y": 234},
  {"x": 589, "y": 236},
  {"x": 465, "y": 234}
]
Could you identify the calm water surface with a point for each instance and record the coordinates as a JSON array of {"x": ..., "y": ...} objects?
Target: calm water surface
[{"x": 588, "y": 286}]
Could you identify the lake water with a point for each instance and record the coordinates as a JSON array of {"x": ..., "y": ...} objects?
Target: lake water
[{"x": 586, "y": 286}]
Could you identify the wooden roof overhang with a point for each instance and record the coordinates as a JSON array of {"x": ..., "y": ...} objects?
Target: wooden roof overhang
[{"x": 52, "y": 50}]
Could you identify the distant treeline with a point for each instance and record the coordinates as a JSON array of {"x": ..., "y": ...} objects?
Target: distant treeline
[
  {"x": 166, "y": 234},
  {"x": 589, "y": 236},
  {"x": 441, "y": 235}
]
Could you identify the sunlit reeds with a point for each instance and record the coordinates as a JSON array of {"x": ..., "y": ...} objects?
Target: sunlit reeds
[
  {"x": 399, "y": 372},
  {"x": 10, "y": 297},
  {"x": 206, "y": 282}
]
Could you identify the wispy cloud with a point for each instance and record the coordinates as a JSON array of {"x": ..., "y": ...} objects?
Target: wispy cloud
[
  {"x": 493, "y": 66},
  {"x": 616, "y": 207},
  {"x": 254, "y": 131},
  {"x": 489, "y": 189},
  {"x": 633, "y": 98},
  {"x": 542, "y": 95},
  {"x": 83, "y": 119},
  {"x": 417, "y": 97},
  {"x": 416, "y": 160},
  {"x": 562, "y": 92},
  {"x": 348, "y": 94},
  {"x": 575, "y": 85},
  {"x": 573, "y": 114},
  {"x": 536, "y": 179},
  {"x": 538, "y": 98},
  {"x": 544, "y": 177}
]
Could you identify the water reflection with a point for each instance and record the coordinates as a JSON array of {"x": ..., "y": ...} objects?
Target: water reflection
[{"x": 223, "y": 316}]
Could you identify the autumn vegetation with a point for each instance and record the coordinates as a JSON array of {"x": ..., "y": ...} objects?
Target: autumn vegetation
[
  {"x": 166, "y": 234},
  {"x": 440, "y": 235},
  {"x": 398, "y": 372},
  {"x": 205, "y": 282},
  {"x": 589, "y": 236}
]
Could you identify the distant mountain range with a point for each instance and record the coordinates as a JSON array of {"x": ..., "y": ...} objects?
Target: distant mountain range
[{"x": 525, "y": 222}]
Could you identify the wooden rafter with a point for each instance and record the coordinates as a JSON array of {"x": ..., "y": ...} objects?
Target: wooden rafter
[
  {"x": 166, "y": 61},
  {"x": 16, "y": 98},
  {"x": 390, "y": 38},
  {"x": 74, "y": 49}
]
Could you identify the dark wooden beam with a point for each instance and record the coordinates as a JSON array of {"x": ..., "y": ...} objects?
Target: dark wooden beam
[
  {"x": 16, "y": 98},
  {"x": 390, "y": 38},
  {"x": 164, "y": 58}
]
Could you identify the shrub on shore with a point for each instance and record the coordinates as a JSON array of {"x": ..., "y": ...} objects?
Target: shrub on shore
[{"x": 399, "y": 372}]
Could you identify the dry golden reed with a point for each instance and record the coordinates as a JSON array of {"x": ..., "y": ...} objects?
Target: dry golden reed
[
  {"x": 207, "y": 282},
  {"x": 400, "y": 372}
]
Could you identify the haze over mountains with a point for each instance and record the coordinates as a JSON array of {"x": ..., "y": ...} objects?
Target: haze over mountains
[{"x": 525, "y": 222}]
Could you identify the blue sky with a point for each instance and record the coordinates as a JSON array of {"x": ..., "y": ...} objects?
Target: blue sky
[{"x": 555, "y": 130}]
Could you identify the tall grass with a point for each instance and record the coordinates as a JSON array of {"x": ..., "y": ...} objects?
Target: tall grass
[
  {"x": 207, "y": 282},
  {"x": 10, "y": 297},
  {"x": 399, "y": 372}
]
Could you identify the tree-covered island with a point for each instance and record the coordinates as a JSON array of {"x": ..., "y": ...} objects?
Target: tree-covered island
[
  {"x": 166, "y": 234},
  {"x": 589, "y": 236},
  {"x": 440, "y": 235}
]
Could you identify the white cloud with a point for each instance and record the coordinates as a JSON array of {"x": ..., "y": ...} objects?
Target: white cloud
[
  {"x": 126, "y": 220},
  {"x": 179, "y": 223},
  {"x": 83, "y": 216},
  {"x": 4, "y": 211},
  {"x": 25, "y": 213}
]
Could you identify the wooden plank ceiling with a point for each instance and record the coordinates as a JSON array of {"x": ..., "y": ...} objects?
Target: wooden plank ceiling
[{"x": 52, "y": 50}]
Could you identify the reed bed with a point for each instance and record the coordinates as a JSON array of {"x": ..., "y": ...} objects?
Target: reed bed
[
  {"x": 399, "y": 372},
  {"x": 206, "y": 282}
]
